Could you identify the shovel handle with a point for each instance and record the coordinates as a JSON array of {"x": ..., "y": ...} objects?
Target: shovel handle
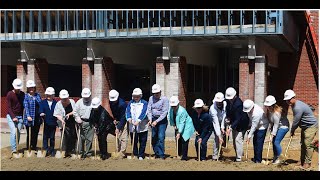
[
  {"x": 78, "y": 139},
  {"x": 95, "y": 145},
  {"x": 285, "y": 154},
  {"x": 116, "y": 143},
  {"x": 199, "y": 150},
  {"x": 63, "y": 127},
  {"x": 17, "y": 142},
  {"x": 247, "y": 150},
  {"x": 150, "y": 144},
  {"x": 132, "y": 143},
  {"x": 269, "y": 146},
  {"x": 220, "y": 144},
  {"x": 29, "y": 138}
]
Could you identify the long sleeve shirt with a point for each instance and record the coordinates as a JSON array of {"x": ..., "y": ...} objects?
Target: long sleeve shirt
[
  {"x": 239, "y": 120},
  {"x": 31, "y": 103},
  {"x": 277, "y": 121},
  {"x": 137, "y": 112},
  {"x": 82, "y": 110},
  {"x": 15, "y": 103},
  {"x": 218, "y": 115},
  {"x": 119, "y": 112},
  {"x": 258, "y": 120},
  {"x": 202, "y": 123},
  {"x": 47, "y": 107},
  {"x": 303, "y": 116},
  {"x": 158, "y": 108}
]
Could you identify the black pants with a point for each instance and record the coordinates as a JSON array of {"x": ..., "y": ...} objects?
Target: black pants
[
  {"x": 49, "y": 134},
  {"x": 203, "y": 146},
  {"x": 69, "y": 139},
  {"x": 103, "y": 144},
  {"x": 142, "y": 138},
  {"x": 34, "y": 136},
  {"x": 182, "y": 146}
]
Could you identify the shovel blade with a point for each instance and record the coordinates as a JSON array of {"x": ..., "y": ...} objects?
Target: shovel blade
[
  {"x": 75, "y": 156},
  {"x": 41, "y": 154},
  {"x": 17, "y": 155},
  {"x": 29, "y": 154},
  {"x": 59, "y": 154}
]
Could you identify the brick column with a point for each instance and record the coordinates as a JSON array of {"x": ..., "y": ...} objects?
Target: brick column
[
  {"x": 102, "y": 80},
  {"x": 246, "y": 79},
  {"x": 87, "y": 71},
  {"x": 22, "y": 71},
  {"x": 171, "y": 76},
  {"x": 260, "y": 80}
]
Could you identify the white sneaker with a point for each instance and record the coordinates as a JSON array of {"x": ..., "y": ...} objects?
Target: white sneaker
[
  {"x": 140, "y": 158},
  {"x": 276, "y": 162}
]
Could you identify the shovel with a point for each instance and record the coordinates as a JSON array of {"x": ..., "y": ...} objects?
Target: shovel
[
  {"x": 286, "y": 156},
  {"x": 41, "y": 153},
  {"x": 177, "y": 148},
  {"x": 266, "y": 162},
  {"x": 132, "y": 145},
  {"x": 29, "y": 153},
  {"x": 115, "y": 154},
  {"x": 77, "y": 155},
  {"x": 247, "y": 151},
  {"x": 17, "y": 155},
  {"x": 150, "y": 146},
  {"x": 220, "y": 144},
  {"x": 95, "y": 157},
  {"x": 198, "y": 150},
  {"x": 60, "y": 153}
]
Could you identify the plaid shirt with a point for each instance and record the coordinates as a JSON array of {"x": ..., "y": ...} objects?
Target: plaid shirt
[{"x": 29, "y": 104}]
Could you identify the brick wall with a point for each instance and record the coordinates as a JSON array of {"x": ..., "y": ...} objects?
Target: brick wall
[
  {"x": 87, "y": 71},
  {"x": 183, "y": 81},
  {"x": 314, "y": 17},
  {"x": 246, "y": 79},
  {"x": 22, "y": 71},
  {"x": 41, "y": 75}
]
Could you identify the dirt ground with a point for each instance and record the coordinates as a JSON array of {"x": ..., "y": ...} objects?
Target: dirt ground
[{"x": 169, "y": 164}]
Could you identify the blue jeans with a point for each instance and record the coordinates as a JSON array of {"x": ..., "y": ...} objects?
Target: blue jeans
[
  {"x": 276, "y": 142},
  {"x": 158, "y": 136},
  {"x": 12, "y": 126},
  {"x": 258, "y": 140},
  {"x": 203, "y": 146},
  {"x": 142, "y": 138}
]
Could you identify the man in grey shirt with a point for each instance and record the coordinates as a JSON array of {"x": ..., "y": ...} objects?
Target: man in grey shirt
[
  {"x": 82, "y": 115},
  {"x": 304, "y": 118}
]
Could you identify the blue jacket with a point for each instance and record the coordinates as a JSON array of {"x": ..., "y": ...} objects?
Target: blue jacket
[
  {"x": 203, "y": 123},
  {"x": 183, "y": 122},
  {"x": 138, "y": 112},
  {"x": 119, "y": 112},
  {"x": 49, "y": 118},
  {"x": 239, "y": 120}
]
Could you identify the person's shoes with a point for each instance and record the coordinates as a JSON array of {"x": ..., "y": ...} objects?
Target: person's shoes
[
  {"x": 276, "y": 162},
  {"x": 162, "y": 158},
  {"x": 83, "y": 156},
  {"x": 214, "y": 158},
  {"x": 140, "y": 158},
  {"x": 104, "y": 157},
  {"x": 184, "y": 159},
  {"x": 237, "y": 160},
  {"x": 13, "y": 152}
]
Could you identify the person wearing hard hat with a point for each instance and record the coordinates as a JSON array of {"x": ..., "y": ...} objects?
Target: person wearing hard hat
[
  {"x": 303, "y": 118},
  {"x": 64, "y": 113},
  {"x": 32, "y": 119},
  {"x": 118, "y": 107},
  {"x": 279, "y": 125},
  {"x": 103, "y": 124},
  {"x": 136, "y": 115},
  {"x": 81, "y": 114},
  {"x": 259, "y": 127},
  {"x": 218, "y": 113},
  {"x": 15, "y": 100},
  {"x": 50, "y": 122},
  {"x": 158, "y": 107},
  {"x": 202, "y": 122},
  {"x": 183, "y": 125},
  {"x": 238, "y": 119}
]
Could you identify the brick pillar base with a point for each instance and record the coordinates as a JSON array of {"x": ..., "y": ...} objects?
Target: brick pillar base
[
  {"x": 102, "y": 80},
  {"x": 246, "y": 79},
  {"x": 171, "y": 76},
  {"x": 36, "y": 70}
]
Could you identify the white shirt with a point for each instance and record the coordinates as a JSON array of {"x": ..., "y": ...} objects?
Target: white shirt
[
  {"x": 50, "y": 104},
  {"x": 258, "y": 120},
  {"x": 218, "y": 116}
]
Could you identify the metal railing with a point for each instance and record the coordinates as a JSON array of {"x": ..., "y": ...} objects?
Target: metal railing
[{"x": 85, "y": 24}]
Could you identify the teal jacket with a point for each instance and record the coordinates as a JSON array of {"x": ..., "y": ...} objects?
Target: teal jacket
[{"x": 183, "y": 122}]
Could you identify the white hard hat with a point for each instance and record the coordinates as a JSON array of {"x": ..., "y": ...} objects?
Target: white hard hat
[
  {"x": 156, "y": 88},
  {"x": 63, "y": 94},
  {"x": 113, "y": 95},
  {"x": 269, "y": 101},
  {"x": 230, "y": 93},
  {"x": 85, "y": 93},
  {"x": 30, "y": 83},
  {"x": 137, "y": 91},
  {"x": 17, "y": 84},
  {"x": 96, "y": 102},
  {"x": 198, "y": 103},
  {"x": 219, "y": 97},
  {"x": 289, "y": 94},
  {"x": 247, "y": 105},
  {"x": 174, "y": 101},
  {"x": 49, "y": 91}
]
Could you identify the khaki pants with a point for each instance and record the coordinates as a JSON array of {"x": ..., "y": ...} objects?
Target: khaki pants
[
  {"x": 307, "y": 136},
  {"x": 123, "y": 140}
]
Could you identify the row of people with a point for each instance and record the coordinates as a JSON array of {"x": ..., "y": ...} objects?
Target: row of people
[{"x": 222, "y": 118}]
